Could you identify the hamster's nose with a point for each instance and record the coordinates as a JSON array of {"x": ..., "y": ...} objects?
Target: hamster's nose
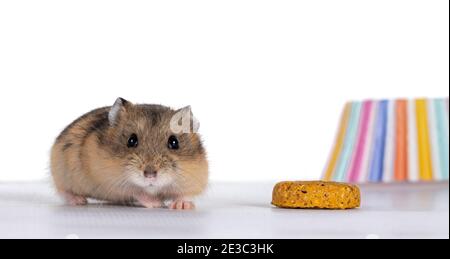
[{"x": 150, "y": 172}]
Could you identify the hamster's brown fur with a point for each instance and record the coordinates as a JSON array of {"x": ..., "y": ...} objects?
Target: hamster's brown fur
[{"x": 91, "y": 159}]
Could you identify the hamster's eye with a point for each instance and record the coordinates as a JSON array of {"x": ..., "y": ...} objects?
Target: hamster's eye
[
  {"x": 133, "y": 141},
  {"x": 173, "y": 143}
]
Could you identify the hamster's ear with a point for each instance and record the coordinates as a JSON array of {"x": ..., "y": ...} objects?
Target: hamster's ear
[
  {"x": 185, "y": 110},
  {"x": 184, "y": 121},
  {"x": 117, "y": 109}
]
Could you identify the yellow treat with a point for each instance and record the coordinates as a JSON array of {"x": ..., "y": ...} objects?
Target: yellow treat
[{"x": 316, "y": 195}]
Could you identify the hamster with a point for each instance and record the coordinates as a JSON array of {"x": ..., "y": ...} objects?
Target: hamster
[{"x": 129, "y": 153}]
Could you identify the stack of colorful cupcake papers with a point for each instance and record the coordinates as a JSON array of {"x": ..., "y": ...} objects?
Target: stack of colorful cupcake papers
[{"x": 391, "y": 141}]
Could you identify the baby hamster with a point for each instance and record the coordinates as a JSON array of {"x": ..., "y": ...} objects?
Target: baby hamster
[{"x": 129, "y": 153}]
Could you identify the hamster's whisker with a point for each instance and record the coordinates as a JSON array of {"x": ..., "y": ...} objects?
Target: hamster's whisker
[
  {"x": 115, "y": 185},
  {"x": 191, "y": 181},
  {"x": 195, "y": 177}
]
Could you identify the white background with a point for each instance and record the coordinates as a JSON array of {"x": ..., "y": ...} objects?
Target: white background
[{"x": 267, "y": 79}]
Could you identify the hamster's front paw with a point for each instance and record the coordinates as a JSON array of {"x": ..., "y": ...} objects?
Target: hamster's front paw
[
  {"x": 149, "y": 202},
  {"x": 182, "y": 205},
  {"x": 74, "y": 200}
]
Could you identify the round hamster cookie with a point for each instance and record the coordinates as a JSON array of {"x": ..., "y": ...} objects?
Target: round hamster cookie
[{"x": 316, "y": 195}]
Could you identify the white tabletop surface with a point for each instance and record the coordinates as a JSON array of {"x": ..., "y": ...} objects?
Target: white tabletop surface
[{"x": 229, "y": 210}]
